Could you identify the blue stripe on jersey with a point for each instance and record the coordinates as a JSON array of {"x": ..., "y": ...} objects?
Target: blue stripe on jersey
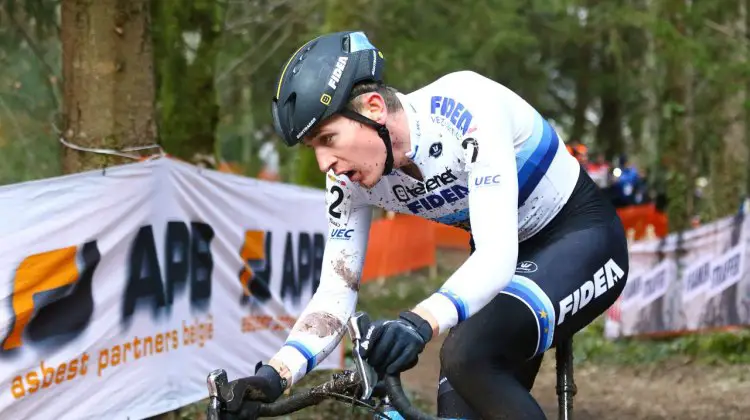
[
  {"x": 529, "y": 292},
  {"x": 457, "y": 302},
  {"x": 305, "y": 352},
  {"x": 453, "y": 218},
  {"x": 535, "y": 157}
]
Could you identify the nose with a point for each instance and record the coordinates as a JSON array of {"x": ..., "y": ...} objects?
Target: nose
[{"x": 325, "y": 159}]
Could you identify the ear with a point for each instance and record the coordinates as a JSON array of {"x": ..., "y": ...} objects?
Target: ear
[{"x": 373, "y": 107}]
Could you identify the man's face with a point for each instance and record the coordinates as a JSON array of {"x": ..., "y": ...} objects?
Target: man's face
[{"x": 351, "y": 148}]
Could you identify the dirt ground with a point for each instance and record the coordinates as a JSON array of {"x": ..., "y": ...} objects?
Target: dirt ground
[{"x": 668, "y": 391}]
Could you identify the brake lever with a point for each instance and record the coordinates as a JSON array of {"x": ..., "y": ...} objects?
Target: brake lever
[
  {"x": 216, "y": 380},
  {"x": 358, "y": 323},
  {"x": 224, "y": 394}
]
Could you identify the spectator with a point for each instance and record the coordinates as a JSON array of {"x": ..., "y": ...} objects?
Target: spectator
[
  {"x": 270, "y": 158},
  {"x": 598, "y": 170},
  {"x": 579, "y": 151},
  {"x": 627, "y": 182}
]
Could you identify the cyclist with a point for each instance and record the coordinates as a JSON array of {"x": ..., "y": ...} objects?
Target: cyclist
[{"x": 548, "y": 252}]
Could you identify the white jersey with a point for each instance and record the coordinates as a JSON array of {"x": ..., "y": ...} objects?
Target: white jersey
[{"x": 490, "y": 164}]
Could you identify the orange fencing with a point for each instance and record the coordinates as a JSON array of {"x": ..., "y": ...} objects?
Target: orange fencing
[
  {"x": 643, "y": 218},
  {"x": 404, "y": 243},
  {"x": 450, "y": 237},
  {"x": 399, "y": 245}
]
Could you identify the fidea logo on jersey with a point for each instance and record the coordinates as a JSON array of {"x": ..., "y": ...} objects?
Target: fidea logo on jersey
[
  {"x": 604, "y": 279},
  {"x": 452, "y": 111}
]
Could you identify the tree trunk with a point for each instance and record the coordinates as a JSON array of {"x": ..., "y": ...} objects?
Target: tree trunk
[
  {"x": 108, "y": 94},
  {"x": 609, "y": 129},
  {"x": 735, "y": 142},
  {"x": 675, "y": 148},
  {"x": 583, "y": 93}
]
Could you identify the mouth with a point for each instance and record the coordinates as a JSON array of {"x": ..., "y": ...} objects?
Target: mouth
[{"x": 353, "y": 175}]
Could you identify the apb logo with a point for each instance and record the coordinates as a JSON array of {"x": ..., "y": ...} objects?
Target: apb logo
[
  {"x": 52, "y": 295},
  {"x": 188, "y": 260},
  {"x": 255, "y": 275},
  {"x": 301, "y": 265}
]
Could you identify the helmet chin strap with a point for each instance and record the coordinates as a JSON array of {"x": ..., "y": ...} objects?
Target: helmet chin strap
[{"x": 382, "y": 132}]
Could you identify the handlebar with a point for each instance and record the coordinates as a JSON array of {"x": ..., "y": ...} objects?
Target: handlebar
[
  {"x": 342, "y": 386},
  {"x": 401, "y": 402},
  {"x": 356, "y": 387},
  {"x": 336, "y": 388}
]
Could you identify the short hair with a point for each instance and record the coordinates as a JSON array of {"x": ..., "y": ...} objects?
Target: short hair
[{"x": 388, "y": 93}]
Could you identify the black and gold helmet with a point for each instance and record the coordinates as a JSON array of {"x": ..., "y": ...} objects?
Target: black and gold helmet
[{"x": 316, "y": 81}]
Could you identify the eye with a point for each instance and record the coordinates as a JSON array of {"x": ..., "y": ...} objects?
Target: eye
[{"x": 327, "y": 139}]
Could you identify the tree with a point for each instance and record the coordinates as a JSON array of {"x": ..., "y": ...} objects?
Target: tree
[
  {"x": 29, "y": 89},
  {"x": 108, "y": 94},
  {"x": 187, "y": 38}
]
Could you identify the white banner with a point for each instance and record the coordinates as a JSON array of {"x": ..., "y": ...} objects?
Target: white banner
[
  {"x": 709, "y": 286},
  {"x": 122, "y": 289},
  {"x": 631, "y": 294},
  {"x": 656, "y": 282},
  {"x": 696, "y": 279},
  {"x": 727, "y": 270}
]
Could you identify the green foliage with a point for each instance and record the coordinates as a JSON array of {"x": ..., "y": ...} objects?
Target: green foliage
[
  {"x": 186, "y": 45},
  {"x": 656, "y": 80},
  {"x": 709, "y": 348},
  {"x": 29, "y": 91}
]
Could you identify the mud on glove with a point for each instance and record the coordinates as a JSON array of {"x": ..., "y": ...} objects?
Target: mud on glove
[{"x": 393, "y": 346}]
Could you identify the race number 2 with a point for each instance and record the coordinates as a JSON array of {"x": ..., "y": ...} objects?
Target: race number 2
[{"x": 333, "y": 208}]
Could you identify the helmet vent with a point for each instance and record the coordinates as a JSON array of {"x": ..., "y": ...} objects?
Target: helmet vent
[
  {"x": 345, "y": 44},
  {"x": 291, "y": 103}
]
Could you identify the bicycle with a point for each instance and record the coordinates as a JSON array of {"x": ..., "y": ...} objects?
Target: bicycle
[{"x": 385, "y": 399}]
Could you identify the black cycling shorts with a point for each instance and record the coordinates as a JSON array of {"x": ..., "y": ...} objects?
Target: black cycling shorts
[{"x": 566, "y": 276}]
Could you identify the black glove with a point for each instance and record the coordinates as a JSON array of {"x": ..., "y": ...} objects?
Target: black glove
[
  {"x": 249, "y": 410},
  {"x": 265, "y": 386},
  {"x": 393, "y": 346}
]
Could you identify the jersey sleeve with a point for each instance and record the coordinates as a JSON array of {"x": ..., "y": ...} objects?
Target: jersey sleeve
[
  {"x": 322, "y": 323},
  {"x": 493, "y": 213}
]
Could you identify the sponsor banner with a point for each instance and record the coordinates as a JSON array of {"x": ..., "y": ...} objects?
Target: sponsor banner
[
  {"x": 631, "y": 294},
  {"x": 656, "y": 282},
  {"x": 696, "y": 279},
  {"x": 705, "y": 283},
  {"x": 727, "y": 270},
  {"x": 123, "y": 289}
]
